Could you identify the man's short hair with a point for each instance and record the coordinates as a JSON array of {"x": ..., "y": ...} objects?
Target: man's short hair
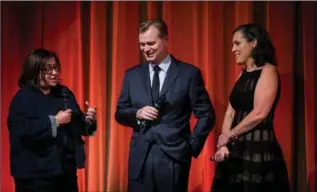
[{"x": 160, "y": 25}]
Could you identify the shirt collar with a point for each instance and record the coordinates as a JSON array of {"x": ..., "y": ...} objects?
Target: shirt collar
[{"x": 164, "y": 65}]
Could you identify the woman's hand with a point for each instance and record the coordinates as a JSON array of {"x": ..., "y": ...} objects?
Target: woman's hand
[{"x": 221, "y": 154}]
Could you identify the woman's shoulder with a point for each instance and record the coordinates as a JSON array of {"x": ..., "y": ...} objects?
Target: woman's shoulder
[
  {"x": 269, "y": 67},
  {"x": 25, "y": 95},
  {"x": 269, "y": 71},
  {"x": 26, "y": 92}
]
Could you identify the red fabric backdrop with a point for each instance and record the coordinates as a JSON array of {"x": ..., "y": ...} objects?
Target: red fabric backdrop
[{"x": 97, "y": 41}]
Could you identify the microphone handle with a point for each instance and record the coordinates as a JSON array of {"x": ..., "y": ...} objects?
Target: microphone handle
[
  {"x": 65, "y": 105},
  {"x": 65, "y": 102},
  {"x": 145, "y": 123}
]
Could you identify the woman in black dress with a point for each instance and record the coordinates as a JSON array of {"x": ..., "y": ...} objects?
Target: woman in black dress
[{"x": 248, "y": 154}]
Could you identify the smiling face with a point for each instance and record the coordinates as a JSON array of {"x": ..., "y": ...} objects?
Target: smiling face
[
  {"x": 153, "y": 47},
  {"x": 242, "y": 49},
  {"x": 51, "y": 73}
]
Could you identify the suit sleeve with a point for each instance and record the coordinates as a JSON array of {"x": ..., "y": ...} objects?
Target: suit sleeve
[
  {"x": 125, "y": 113},
  {"x": 23, "y": 124},
  {"x": 203, "y": 111}
]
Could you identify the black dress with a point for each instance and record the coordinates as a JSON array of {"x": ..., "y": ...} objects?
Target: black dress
[{"x": 256, "y": 161}]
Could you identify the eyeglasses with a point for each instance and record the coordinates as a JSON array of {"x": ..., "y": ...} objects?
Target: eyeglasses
[{"x": 49, "y": 69}]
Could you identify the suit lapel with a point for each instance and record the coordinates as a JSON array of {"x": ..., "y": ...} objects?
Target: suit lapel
[
  {"x": 145, "y": 78},
  {"x": 172, "y": 74}
]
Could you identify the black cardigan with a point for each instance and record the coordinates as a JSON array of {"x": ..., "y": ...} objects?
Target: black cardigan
[{"x": 34, "y": 151}]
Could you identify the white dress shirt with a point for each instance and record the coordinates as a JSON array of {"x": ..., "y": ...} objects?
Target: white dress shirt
[{"x": 164, "y": 65}]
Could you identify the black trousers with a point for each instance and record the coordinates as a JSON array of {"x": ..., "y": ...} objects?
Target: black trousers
[
  {"x": 161, "y": 174},
  {"x": 64, "y": 183}
]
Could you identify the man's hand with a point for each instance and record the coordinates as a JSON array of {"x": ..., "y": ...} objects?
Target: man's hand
[
  {"x": 63, "y": 117},
  {"x": 91, "y": 113},
  {"x": 147, "y": 113}
]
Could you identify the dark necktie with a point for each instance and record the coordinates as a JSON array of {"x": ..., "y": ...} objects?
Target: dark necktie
[{"x": 156, "y": 84}]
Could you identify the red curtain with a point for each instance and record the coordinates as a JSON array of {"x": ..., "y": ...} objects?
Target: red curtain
[{"x": 97, "y": 41}]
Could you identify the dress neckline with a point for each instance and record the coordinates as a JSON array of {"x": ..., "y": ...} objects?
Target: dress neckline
[{"x": 260, "y": 69}]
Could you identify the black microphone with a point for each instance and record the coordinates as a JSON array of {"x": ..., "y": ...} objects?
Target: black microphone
[
  {"x": 157, "y": 105},
  {"x": 64, "y": 93},
  {"x": 69, "y": 131}
]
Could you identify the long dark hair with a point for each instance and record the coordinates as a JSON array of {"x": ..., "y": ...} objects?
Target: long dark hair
[
  {"x": 264, "y": 50},
  {"x": 33, "y": 65}
]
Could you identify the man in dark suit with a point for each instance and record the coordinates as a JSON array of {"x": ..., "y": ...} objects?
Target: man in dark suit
[{"x": 156, "y": 100}]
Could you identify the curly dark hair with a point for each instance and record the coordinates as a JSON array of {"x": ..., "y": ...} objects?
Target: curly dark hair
[{"x": 264, "y": 51}]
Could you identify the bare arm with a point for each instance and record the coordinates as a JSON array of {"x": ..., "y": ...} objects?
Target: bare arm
[
  {"x": 229, "y": 115},
  {"x": 264, "y": 96},
  {"x": 227, "y": 121},
  {"x": 223, "y": 151}
]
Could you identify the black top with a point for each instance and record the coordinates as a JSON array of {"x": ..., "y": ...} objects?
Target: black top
[{"x": 34, "y": 151}]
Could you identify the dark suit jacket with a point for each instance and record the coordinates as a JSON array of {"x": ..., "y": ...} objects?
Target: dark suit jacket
[{"x": 185, "y": 93}]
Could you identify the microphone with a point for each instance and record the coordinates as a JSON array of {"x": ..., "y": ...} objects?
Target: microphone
[
  {"x": 69, "y": 131},
  {"x": 64, "y": 93},
  {"x": 157, "y": 105}
]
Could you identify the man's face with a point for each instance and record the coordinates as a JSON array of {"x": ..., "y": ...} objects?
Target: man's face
[{"x": 153, "y": 47}]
